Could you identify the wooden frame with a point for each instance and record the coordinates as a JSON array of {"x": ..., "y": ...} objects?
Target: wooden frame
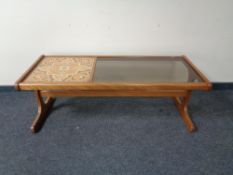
[
  {"x": 180, "y": 92},
  {"x": 205, "y": 85}
]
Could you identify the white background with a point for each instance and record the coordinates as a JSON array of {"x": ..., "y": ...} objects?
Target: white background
[{"x": 201, "y": 29}]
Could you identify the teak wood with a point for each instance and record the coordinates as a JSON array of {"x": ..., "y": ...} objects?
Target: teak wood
[
  {"x": 180, "y": 92},
  {"x": 43, "y": 110}
]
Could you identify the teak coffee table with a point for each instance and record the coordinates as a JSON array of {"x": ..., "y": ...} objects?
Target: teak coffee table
[{"x": 121, "y": 76}]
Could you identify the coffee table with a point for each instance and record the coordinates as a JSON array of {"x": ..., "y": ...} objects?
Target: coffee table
[{"x": 54, "y": 76}]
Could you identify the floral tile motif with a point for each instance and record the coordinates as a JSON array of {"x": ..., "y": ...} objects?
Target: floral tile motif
[{"x": 63, "y": 69}]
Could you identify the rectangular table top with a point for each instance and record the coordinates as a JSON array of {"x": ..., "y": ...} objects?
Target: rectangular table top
[{"x": 113, "y": 72}]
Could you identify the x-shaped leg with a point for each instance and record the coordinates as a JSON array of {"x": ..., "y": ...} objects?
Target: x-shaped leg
[{"x": 182, "y": 106}]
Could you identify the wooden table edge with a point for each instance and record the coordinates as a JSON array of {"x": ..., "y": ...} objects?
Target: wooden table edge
[
  {"x": 198, "y": 72},
  {"x": 115, "y": 86},
  {"x": 27, "y": 72}
]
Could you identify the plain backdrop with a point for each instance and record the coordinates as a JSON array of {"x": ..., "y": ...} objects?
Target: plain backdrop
[{"x": 201, "y": 29}]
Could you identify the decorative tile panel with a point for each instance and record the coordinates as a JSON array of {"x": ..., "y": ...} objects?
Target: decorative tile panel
[{"x": 63, "y": 69}]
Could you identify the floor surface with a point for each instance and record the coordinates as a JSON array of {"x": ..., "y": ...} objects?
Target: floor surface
[{"x": 128, "y": 136}]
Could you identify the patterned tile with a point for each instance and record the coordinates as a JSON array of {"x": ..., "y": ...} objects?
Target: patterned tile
[{"x": 63, "y": 69}]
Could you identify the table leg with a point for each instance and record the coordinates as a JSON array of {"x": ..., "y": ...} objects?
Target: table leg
[
  {"x": 182, "y": 106},
  {"x": 43, "y": 109}
]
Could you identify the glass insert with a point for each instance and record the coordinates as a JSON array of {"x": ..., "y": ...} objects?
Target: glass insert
[{"x": 144, "y": 70}]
